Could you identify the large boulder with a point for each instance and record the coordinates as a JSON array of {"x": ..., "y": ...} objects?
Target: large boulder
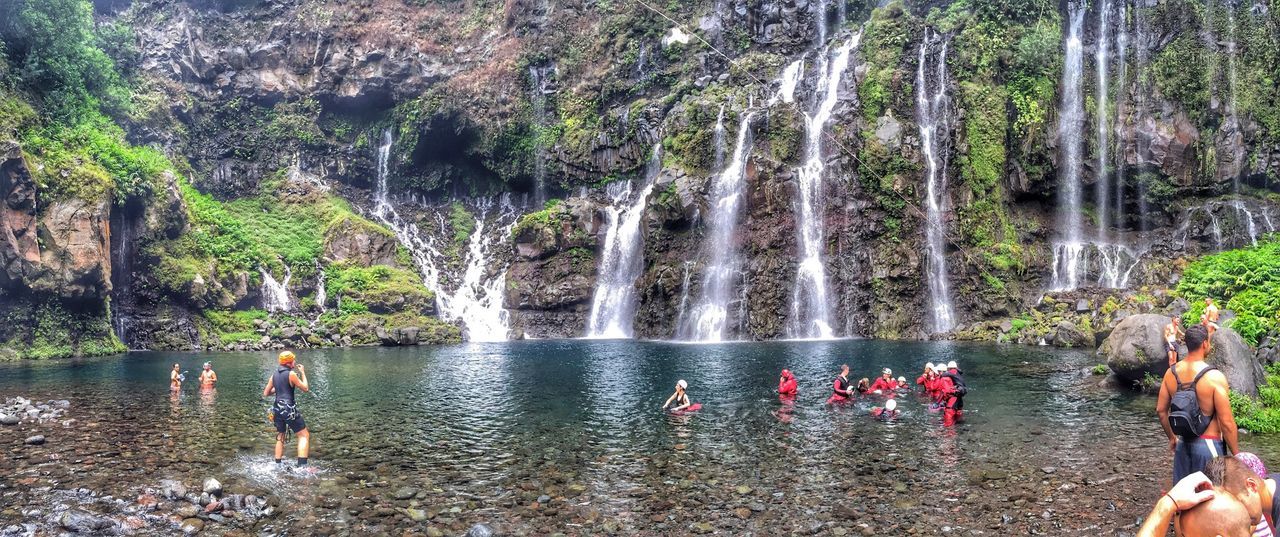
[
  {"x": 361, "y": 243},
  {"x": 1136, "y": 348},
  {"x": 19, "y": 249},
  {"x": 1231, "y": 355}
]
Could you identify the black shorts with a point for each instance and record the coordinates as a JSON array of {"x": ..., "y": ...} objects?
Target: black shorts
[
  {"x": 1171, "y": 347},
  {"x": 289, "y": 418}
]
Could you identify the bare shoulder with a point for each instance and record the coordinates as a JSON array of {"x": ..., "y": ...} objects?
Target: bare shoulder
[{"x": 1217, "y": 377}]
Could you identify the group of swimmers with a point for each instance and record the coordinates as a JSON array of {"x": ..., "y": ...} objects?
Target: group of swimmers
[
  {"x": 288, "y": 377},
  {"x": 943, "y": 384}
]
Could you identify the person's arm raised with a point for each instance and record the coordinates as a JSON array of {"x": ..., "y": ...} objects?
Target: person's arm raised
[
  {"x": 299, "y": 379},
  {"x": 1190, "y": 492}
]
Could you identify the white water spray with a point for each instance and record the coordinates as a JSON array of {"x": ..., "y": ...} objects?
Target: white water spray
[
  {"x": 810, "y": 303},
  {"x": 709, "y": 318},
  {"x": 621, "y": 257},
  {"x": 275, "y": 295},
  {"x": 1069, "y": 254},
  {"x": 1102, "y": 189}
]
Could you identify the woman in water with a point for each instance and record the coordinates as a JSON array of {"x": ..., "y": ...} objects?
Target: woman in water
[{"x": 680, "y": 398}]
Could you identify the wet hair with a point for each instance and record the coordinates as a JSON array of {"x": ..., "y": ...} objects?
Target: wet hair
[
  {"x": 844, "y": 367},
  {"x": 1195, "y": 337},
  {"x": 1229, "y": 474},
  {"x": 1224, "y": 515}
]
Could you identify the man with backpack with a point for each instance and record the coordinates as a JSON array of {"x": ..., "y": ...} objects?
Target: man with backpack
[
  {"x": 952, "y": 388},
  {"x": 1194, "y": 409}
]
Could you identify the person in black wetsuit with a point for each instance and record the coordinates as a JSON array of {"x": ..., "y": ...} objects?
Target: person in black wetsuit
[{"x": 285, "y": 410}]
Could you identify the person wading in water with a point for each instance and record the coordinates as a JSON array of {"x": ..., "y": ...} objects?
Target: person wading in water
[
  {"x": 208, "y": 379},
  {"x": 175, "y": 379},
  {"x": 285, "y": 410},
  {"x": 1194, "y": 409}
]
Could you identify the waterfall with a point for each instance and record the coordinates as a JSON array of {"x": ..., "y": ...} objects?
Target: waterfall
[
  {"x": 539, "y": 88},
  {"x": 1116, "y": 263},
  {"x": 717, "y": 139},
  {"x": 933, "y": 109},
  {"x": 477, "y": 301},
  {"x": 621, "y": 257},
  {"x": 810, "y": 305},
  {"x": 275, "y": 295},
  {"x": 683, "y": 308},
  {"x": 322, "y": 296},
  {"x": 1069, "y": 258},
  {"x": 709, "y": 317},
  {"x": 1233, "y": 118},
  {"x": 1245, "y": 215},
  {"x": 790, "y": 79},
  {"x": 1122, "y": 80},
  {"x": 1102, "y": 189}
]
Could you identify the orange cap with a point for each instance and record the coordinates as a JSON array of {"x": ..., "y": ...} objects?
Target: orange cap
[{"x": 286, "y": 357}]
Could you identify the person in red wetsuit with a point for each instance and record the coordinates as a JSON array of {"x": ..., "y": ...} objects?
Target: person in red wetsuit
[
  {"x": 787, "y": 385},
  {"x": 888, "y": 412},
  {"x": 926, "y": 379},
  {"x": 885, "y": 384},
  {"x": 840, "y": 389},
  {"x": 935, "y": 388},
  {"x": 952, "y": 388}
]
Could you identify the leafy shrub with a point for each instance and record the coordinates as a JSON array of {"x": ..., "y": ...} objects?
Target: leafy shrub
[{"x": 1246, "y": 281}]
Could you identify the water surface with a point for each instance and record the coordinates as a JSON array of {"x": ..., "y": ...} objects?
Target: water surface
[{"x": 484, "y": 430}]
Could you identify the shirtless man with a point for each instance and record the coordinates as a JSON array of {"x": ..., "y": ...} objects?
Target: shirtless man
[
  {"x": 208, "y": 379},
  {"x": 1172, "y": 333},
  {"x": 1192, "y": 453},
  {"x": 1210, "y": 316}
]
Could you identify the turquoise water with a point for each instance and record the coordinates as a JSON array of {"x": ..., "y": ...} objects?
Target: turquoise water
[{"x": 487, "y": 428}]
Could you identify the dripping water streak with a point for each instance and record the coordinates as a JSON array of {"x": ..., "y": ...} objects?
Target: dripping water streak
[{"x": 1069, "y": 254}]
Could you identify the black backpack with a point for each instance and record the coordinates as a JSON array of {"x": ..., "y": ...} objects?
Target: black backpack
[
  {"x": 958, "y": 381},
  {"x": 1185, "y": 417}
]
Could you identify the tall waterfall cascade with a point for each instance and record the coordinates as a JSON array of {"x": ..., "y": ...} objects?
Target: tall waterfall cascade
[
  {"x": 477, "y": 301},
  {"x": 1102, "y": 187},
  {"x": 539, "y": 88},
  {"x": 810, "y": 302},
  {"x": 708, "y": 320},
  {"x": 275, "y": 294},
  {"x": 622, "y": 256},
  {"x": 1069, "y": 254},
  {"x": 934, "y": 121}
]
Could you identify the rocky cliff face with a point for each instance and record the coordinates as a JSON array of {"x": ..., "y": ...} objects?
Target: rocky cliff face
[{"x": 298, "y": 116}]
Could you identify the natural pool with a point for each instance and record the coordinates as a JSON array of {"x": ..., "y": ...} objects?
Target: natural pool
[{"x": 539, "y": 437}]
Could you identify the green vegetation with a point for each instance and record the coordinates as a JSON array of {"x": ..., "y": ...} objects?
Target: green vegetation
[
  {"x": 1100, "y": 369},
  {"x": 235, "y": 326},
  {"x": 43, "y": 329},
  {"x": 1260, "y": 415},
  {"x": 1245, "y": 281}
]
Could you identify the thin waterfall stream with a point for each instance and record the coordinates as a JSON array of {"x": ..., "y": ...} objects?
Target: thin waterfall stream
[
  {"x": 622, "y": 256},
  {"x": 934, "y": 111}
]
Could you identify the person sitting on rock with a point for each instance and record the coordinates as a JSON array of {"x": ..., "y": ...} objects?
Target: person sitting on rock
[
  {"x": 284, "y": 412},
  {"x": 888, "y": 412},
  {"x": 680, "y": 398},
  {"x": 886, "y": 383},
  {"x": 1194, "y": 409},
  {"x": 787, "y": 384},
  {"x": 1202, "y": 510},
  {"x": 840, "y": 391},
  {"x": 208, "y": 379},
  {"x": 1172, "y": 333}
]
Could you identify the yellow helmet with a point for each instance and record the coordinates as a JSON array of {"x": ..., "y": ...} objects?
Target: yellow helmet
[{"x": 286, "y": 357}]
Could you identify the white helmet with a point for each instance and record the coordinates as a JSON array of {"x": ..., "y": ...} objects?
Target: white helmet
[
  {"x": 940, "y": 368},
  {"x": 928, "y": 365},
  {"x": 887, "y": 371},
  {"x": 903, "y": 380},
  {"x": 891, "y": 404},
  {"x": 952, "y": 365},
  {"x": 682, "y": 384}
]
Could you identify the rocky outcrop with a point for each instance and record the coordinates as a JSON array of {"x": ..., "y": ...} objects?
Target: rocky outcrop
[
  {"x": 19, "y": 249},
  {"x": 551, "y": 279},
  {"x": 61, "y": 249},
  {"x": 352, "y": 241},
  {"x": 1135, "y": 350}
]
